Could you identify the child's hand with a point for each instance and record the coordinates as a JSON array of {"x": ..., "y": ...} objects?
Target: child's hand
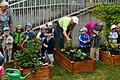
[{"x": 45, "y": 45}]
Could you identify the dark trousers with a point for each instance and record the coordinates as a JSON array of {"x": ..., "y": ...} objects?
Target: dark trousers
[
  {"x": 85, "y": 50},
  {"x": 59, "y": 37}
]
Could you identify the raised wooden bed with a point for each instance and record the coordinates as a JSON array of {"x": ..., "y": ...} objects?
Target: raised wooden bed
[
  {"x": 75, "y": 67},
  {"x": 44, "y": 73},
  {"x": 110, "y": 59}
]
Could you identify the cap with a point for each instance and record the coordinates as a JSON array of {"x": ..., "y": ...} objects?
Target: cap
[
  {"x": 96, "y": 28},
  {"x": 19, "y": 27},
  {"x": 43, "y": 26},
  {"x": 113, "y": 26},
  {"x": 50, "y": 23},
  {"x": 5, "y": 29},
  {"x": 75, "y": 19},
  {"x": 99, "y": 23},
  {"x": 84, "y": 29},
  {"x": 4, "y": 3},
  {"x": 28, "y": 24}
]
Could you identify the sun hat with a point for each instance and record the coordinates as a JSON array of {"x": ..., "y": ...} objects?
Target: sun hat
[
  {"x": 84, "y": 29},
  {"x": 75, "y": 19},
  {"x": 96, "y": 28},
  {"x": 99, "y": 23},
  {"x": 113, "y": 26}
]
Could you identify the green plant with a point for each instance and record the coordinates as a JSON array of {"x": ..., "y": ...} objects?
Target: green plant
[
  {"x": 74, "y": 54},
  {"x": 112, "y": 48},
  {"x": 108, "y": 13},
  {"x": 29, "y": 58}
]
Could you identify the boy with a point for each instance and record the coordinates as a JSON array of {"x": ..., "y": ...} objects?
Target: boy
[
  {"x": 84, "y": 40},
  {"x": 29, "y": 34},
  {"x": 7, "y": 44},
  {"x": 48, "y": 45},
  {"x": 95, "y": 43},
  {"x": 113, "y": 34}
]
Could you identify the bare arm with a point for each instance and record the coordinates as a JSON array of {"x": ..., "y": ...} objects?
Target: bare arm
[
  {"x": 66, "y": 36},
  {"x": 11, "y": 27}
]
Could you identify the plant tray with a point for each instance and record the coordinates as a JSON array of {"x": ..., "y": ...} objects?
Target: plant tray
[
  {"x": 44, "y": 73},
  {"x": 75, "y": 67},
  {"x": 110, "y": 59}
]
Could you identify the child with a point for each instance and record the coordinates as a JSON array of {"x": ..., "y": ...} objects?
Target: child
[
  {"x": 113, "y": 35},
  {"x": 84, "y": 40},
  {"x": 1, "y": 32},
  {"x": 41, "y": 33},
  {"x": 29, "y": 34},
  {"x": 1, "y": 67},
  {"x": 95, "y": 43},
  {"x": 18, "y": 37},
  {"x": 118, "y": 31},
  {"x": 7, "y": 44},
  {"x": 48, "y": 45},
  {"x": 50, "y": 25}
]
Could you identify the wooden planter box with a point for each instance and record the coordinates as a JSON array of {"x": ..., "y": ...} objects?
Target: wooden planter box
[
  {"x": 75, "y": 67},
  {"x": 110, "y": 59},
  {"x": 44, "y": 73}
]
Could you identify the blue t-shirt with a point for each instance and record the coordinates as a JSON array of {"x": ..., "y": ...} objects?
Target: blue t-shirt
[{"x": 84, "y": 39}]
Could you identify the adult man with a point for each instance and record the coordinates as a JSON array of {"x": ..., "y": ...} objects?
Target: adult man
[{"x": 64, "y": 29}]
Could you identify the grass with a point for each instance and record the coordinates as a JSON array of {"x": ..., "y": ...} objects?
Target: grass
[{"x": 102, "y": 72}]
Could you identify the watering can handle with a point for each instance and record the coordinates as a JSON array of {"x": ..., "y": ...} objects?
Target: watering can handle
[{"x": 11, "y": 69}]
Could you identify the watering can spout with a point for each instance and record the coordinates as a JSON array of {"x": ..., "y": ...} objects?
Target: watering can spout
[
  {"x": 25, "y": 77},
  {"x": 33, "y": 71}
]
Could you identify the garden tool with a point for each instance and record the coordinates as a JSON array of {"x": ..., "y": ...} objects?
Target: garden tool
[{"x": 14, "y": 74}]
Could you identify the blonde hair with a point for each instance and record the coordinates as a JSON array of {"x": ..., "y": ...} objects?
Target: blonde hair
[{"x": 118, "y": 25}]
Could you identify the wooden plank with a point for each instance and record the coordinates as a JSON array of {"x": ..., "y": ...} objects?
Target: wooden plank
[{"x": 75, "y": 67}]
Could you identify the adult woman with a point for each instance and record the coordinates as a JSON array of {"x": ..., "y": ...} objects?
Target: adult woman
[
  {"x": 63, "y": 29},
  {"x": 5, "y": 16}
]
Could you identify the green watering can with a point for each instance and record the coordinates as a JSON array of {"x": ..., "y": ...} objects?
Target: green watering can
[{"x": 14, "y": 74}]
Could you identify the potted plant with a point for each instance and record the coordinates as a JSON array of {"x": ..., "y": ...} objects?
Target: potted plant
[
  {"x": 73, "y": 60},
  {"x": 110, "y": 53},
  {"x": 29, "y": 58}
]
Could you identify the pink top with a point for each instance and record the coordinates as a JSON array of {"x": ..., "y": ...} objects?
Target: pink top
[
  {"x": 2, "y": 70},
  {"x": 90, "y": 26}
]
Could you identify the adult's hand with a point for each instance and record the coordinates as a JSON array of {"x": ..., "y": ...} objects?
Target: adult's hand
[
  {"x": 66, "y": 36},
  {"x": 68, "y": 39}
]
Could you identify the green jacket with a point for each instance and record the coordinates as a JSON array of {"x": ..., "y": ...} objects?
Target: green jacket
[{"x": 18, "y": 37}]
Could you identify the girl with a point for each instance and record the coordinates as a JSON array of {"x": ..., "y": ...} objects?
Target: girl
[{"x": 18, "y": 37}]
